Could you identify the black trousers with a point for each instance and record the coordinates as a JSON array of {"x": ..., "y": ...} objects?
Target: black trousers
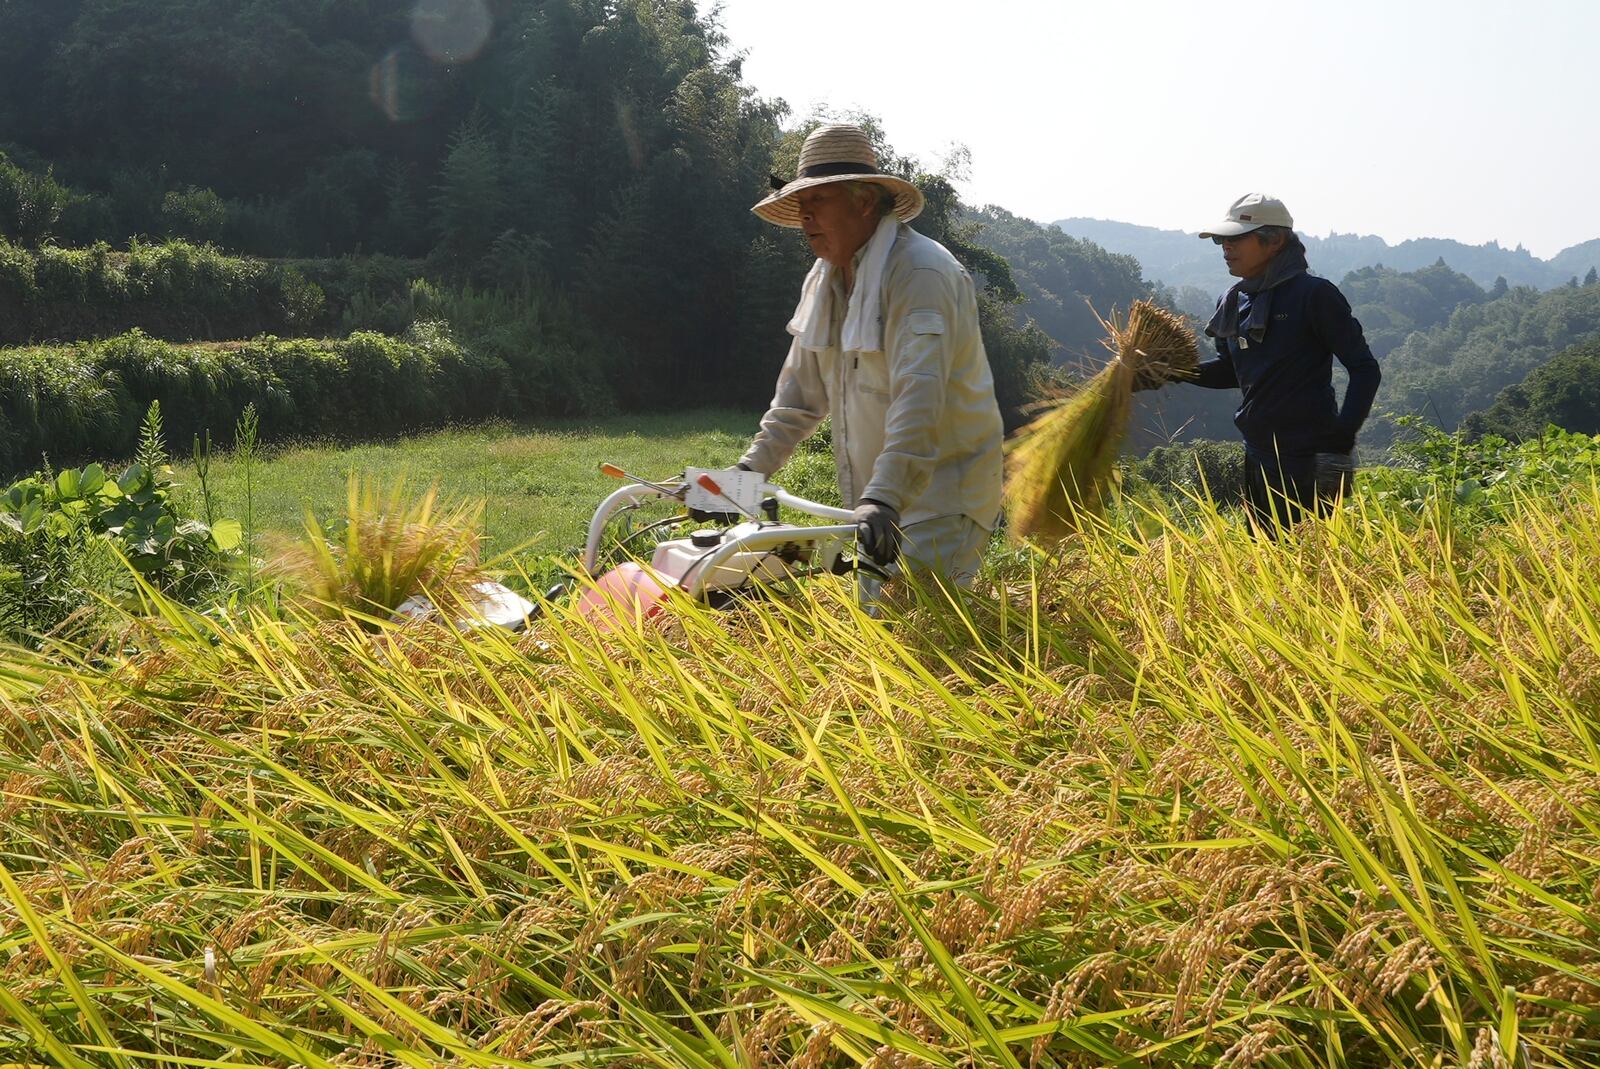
[{"x": 1282, "y": 488}]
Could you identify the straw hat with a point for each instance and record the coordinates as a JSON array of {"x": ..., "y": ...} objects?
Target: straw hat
[{"x": 836, "y": 152}]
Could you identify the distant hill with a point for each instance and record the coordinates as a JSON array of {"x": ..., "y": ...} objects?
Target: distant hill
[
  {"x": 1578, "y": 260},
  {"x": 1066, "y": 280},
  {"x": 1177, "y": 258}
]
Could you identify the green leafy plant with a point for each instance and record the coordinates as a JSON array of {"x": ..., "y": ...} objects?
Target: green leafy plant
[
  {"x": 1482, "y": 480},
  {"x": 49, "y": 518},
  {"x": 173, "y": 290},
  {"x": 50, "y": 566},
  {"x": 86, "y": 401},
  {"x": 1184, "y": 473}
]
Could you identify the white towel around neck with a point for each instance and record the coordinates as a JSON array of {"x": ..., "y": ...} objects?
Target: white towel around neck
[{"x": 863, "y": 318}]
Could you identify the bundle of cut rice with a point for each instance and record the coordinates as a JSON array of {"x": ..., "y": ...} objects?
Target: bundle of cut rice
[{"x": 1061, "y": 466}]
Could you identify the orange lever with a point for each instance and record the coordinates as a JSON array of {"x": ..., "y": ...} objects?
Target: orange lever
[
  {"x": 612, "y": 470},
  {"x": 708, "y": 483}
]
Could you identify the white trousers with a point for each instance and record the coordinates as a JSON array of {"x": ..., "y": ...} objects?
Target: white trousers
[{"x": 950, "y": 547}]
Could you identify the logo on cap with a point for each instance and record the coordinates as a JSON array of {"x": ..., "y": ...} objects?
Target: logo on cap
[{"x": 1244, "y": 218}]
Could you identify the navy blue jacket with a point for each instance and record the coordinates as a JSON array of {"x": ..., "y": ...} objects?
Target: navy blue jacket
[{"x": 1286, "y": 379}]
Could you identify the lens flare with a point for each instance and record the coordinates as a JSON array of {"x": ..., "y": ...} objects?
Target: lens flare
[
  {"x": 402, "y": 84},
  {"x": 451, "y": 31}
]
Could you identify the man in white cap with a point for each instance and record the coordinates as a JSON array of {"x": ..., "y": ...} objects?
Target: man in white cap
[
  {"x": 1277, "y": 333},
  {"x": 885, "y": 342}
]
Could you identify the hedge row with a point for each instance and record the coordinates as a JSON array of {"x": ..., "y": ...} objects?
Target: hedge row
[
  {"x": 183, "y": 292},
  {"x": 173, "y": 290},
  {"x": 86, "y": 400}
]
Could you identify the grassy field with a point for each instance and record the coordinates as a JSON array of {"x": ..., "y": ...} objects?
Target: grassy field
[
  {"x": 1181, "y": 798},
  {"x": 539, "y": 485}
]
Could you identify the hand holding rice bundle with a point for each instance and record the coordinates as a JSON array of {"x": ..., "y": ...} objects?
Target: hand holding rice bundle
[{"x": 1061, "y": 466}]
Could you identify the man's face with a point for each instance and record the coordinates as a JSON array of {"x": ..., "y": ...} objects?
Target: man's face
[
  {"x": 1246, "y": 255},
  {"x": 835, "y": 223}
]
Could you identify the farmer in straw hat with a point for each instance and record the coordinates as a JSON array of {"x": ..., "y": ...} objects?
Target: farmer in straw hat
[
  {"x": 1277, "y": 332},
  {"x": 886, "y": 343}
]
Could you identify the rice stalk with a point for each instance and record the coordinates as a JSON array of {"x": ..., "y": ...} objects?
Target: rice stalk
[
  {"x": 385, "y": 549},
  {"x": 1061, "y": 467},
  {"x": 1325, "y": 801}
]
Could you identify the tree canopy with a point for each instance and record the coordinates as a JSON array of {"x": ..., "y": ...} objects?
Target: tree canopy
[
  {"x": 1065, "y": 280},
  {"x": 1562, "y": 392},
  {"x": 1460, "y": 366},
  {"x": 1391, "y": 304},
  {"x": 599, "y": 152}
]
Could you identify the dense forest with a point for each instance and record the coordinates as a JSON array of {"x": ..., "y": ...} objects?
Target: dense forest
[
  {"x": 1563, "y": 392},
  {"x": 606, "y": 153},
  {"x": 590, "y": 159},
  {"x": 1460, "y": 367}
]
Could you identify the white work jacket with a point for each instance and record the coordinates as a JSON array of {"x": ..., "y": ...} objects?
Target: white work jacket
[{"x": 915, "y": 426}]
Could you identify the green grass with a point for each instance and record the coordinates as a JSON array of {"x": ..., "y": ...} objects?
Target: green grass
[
  {"x": 539, "y": 484},
  {"x": 1181, "y": 798}
]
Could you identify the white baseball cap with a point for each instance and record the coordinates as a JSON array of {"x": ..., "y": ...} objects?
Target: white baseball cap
[{"x": 1251, "y": 212}]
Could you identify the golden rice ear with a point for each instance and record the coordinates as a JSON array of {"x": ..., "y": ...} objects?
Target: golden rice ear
[
  {"x": 1157, "y": 342},
  {"x": 1062, "y": 466}
]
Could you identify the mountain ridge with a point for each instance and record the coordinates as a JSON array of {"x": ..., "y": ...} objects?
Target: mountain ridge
[{"x": 1176, "y": 258}]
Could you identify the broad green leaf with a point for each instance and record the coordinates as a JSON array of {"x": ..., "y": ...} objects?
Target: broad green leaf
[{"x": 91, "y": 480}]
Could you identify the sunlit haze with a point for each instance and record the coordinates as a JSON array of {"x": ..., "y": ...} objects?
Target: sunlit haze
[{"x": 1462, "y": 119}]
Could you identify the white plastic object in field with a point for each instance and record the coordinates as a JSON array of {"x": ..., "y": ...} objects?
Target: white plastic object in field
[{"x": 495, "y": 605}]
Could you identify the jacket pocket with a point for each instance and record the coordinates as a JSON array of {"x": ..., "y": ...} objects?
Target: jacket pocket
[{"x": 869, "y": 372}]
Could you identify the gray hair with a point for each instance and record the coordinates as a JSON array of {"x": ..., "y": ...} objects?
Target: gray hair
[
  {"x": 1268, "y": 235},
  {"x": 867, "y": 193}
]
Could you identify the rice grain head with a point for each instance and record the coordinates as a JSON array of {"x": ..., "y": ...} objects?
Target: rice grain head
[{"x": 1062, "y": 466}]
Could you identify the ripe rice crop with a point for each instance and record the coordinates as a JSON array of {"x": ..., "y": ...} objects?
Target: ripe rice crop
[{"x": 1183, "y": 798}]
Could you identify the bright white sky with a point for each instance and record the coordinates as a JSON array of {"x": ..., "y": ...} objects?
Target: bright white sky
[{"x": 1461, "y": 119}]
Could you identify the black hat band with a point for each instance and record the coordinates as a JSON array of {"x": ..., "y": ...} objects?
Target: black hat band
[{"x": 826, "y": 170}]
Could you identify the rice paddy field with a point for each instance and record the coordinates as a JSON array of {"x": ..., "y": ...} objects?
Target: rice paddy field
[{"x": 1177, "y": 796}]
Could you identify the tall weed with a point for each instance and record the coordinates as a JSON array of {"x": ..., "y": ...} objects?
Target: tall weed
[{"x": 385, "y": 549}]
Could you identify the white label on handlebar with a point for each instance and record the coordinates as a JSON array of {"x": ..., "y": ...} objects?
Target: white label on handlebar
[{"x": 740, "y": 490}]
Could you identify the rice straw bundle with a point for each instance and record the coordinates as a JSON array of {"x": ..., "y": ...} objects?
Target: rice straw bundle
[{"x": 1060, "y": 467}]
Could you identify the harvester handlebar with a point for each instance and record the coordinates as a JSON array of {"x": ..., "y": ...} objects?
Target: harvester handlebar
[
  {"x": 636, "y": 490},
  {"x": 806, "y": 505}
]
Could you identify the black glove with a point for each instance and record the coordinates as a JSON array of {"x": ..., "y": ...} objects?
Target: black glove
[
  {"x": 1148, "y": 379},
  {"x": 878, "y": 531}
]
